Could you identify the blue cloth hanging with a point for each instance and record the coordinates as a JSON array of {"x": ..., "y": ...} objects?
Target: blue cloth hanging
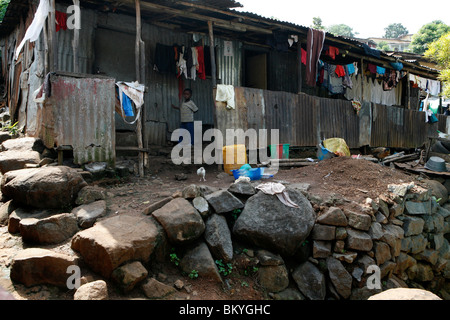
[{"x": 126, "y": 105}]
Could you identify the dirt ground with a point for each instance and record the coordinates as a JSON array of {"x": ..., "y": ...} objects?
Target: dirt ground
[{"x": 353, "y": 179}]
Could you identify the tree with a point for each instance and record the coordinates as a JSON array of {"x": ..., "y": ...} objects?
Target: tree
[
  {"x": 428, "y": 34},
  {"x": 341, "y": 30},
  {"x": 383, "y": 45},
  {"x": 317, "y": 24},
  {"x": 395, "y": 30},
  {"x": 439, "y": 51},
  {"x": 3, "y": 7}
]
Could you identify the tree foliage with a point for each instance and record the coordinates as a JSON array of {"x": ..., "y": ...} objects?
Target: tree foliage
[
  {"x": 3, "y": 7},
  {"x": 428, "y": 34},
  {"x": 341, "y": 30},
  {"x": 439, "y": 51},
  {"x": 383, "y": 45},
  {"x": 317, "y": 24},
  {"x": 395, "y": 30}
]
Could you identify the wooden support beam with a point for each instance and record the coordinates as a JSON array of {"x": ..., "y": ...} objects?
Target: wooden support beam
[
  {"x": 75, "y": 44},
  {"x": 137, "y": 53},
  {"x": 213, "y": 54},
  {"x": 299, "y": 66}
]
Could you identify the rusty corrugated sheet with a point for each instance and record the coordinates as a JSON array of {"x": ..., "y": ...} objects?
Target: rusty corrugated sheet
[
  {"x": 80, "y": 113},
  {"x": 400, "y": 128},
  {"x": 338, "y": 119}
]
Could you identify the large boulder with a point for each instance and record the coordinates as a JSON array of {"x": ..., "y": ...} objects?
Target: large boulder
[
  {"x": 341, "y": 279},
  {"x": 41, "y": 266},
  {"x": 23, "y": 144},
  {"x": 87, "y": 214},
  {"x": 310, "y": 281},
  {"x": 268, "y": 223},
  {"x": 223, "y": 201},
  {"x": 116, "y": 240},
  {"x": 199, "y": 258},
  {"x": 405, "y": 294},
  {"x": 180, "y": 220},
  {"x": 49, "y": 230},
  {"x": 48, "y": 187},
  {"x": 18, "y": 159},
  {"x": 95, "y": 290},
  {"x": 218, "y": 238}
]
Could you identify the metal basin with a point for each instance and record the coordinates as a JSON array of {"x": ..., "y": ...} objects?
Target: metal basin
[{"x": 436, "y": 164}]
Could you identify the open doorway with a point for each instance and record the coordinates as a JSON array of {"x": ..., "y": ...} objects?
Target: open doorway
[{"x": 255, "y": 69}]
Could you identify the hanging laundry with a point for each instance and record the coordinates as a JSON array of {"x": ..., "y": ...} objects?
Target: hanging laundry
[
  {"x": 164, "y": 59},
  {"x": 389, "y": 80},
  {"x": 182, "y": 64},
  {"x": 314, "y": 48},
  {"x": 370, "y": 51},
  {"x": 134, "y": 91},
  {"x": 35, "y": 28},
  {"x": 332, "y": 52},
  {"x": 61, "y": 20},
  {"x": 347, "y": 81},
  {"x": 433, "y": 87},
  {"x": 225, "y": 93},
  {"x": 304, "y": 54},
  {"x": 356, "y": 106},
  {"x": 372, "y": 68},
  {"x": 350, "y": 68},
  {"x": 126, "y": 105},
  {"x": 397, "y": 65},
  {"x": 381, "y": 71},
  {"x": 340, "y": 72},
  {"x": 201, "y": 63}
]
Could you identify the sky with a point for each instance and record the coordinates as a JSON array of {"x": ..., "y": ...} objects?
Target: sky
[{"x": 368, "y": 21}]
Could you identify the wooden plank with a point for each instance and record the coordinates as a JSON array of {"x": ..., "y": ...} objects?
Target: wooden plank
[{"x": 137, "y": 53}]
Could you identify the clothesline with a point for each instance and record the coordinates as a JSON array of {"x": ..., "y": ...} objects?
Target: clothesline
[{"x": 190, "y": 62}]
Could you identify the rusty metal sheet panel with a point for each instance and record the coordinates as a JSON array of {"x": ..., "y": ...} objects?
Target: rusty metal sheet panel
[
  {"x": 400, "y": 128},
  {"x": 80, "y": 113}
]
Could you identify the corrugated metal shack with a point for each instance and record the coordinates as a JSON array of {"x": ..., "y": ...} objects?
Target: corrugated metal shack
[{"x": 118, "y": 40}]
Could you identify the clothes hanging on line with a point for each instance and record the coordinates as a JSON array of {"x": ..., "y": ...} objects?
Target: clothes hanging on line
[
  {"x": 35, "y": 28},
  {"x": 134, "y": 91},
  {"x": 225, "y": 93},
  {"x": 314, "y": 46},
  {"x": 60, "y": 20}
]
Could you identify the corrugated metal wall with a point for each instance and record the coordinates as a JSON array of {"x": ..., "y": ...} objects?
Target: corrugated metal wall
[
  {"x": 84, "y": 121},
  {"x": 399, "y": 127},
  {"x": 86, "y": 43},
  {"x": 304, "y": 120}
]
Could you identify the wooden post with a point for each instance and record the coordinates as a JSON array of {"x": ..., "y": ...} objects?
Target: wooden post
[
  {"x": 137, "y": 51},
  {"x": 46, "y": 53},
  {"x": 408, "y": 92},
  {"x": 75, "y": 44},
  {"x": 362, "y": 79},
  {"x": 213, "y": 55},
  {"x": 299, "y": 73},
  {"x": 53, "y": 48}
]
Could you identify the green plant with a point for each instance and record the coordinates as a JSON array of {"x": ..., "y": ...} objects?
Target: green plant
[
  {"x": 236, "y": 213},
  {"x": 12, "y": 129},
  {"x": 193, "y": 274},
  {"x": 249, "y": 270},
  {"x": 224, "y": 268},
  {"x": 304, "y": 243},
  {"x": 244, "y": 284},
  {"x": 174, "y": 258}
]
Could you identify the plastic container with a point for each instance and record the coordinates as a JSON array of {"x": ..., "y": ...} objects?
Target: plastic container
[
  {"x": 238, "y": 159},
  {"x": 253, "y": 174},
  {"x": 323, "y": 153},
  {"x": 279, "y": 151}
]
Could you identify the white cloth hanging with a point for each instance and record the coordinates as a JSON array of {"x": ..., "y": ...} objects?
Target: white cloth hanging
[
  {"x": 35, "y": 28},
  {"x": 135, "y": 91},
  {"x": 225, "y": 93}
]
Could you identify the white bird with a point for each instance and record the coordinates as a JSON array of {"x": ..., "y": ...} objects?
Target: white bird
[{"x": 201, "y": 172}]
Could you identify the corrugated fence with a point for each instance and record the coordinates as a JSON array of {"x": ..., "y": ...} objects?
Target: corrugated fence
[{"x": 304, "y": 120}]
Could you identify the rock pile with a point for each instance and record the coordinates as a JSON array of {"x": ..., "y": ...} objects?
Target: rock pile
[{"x": 322, "y": 249}]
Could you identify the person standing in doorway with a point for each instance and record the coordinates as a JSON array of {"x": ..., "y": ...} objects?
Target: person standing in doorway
[{"x": 187, "y": 110}]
